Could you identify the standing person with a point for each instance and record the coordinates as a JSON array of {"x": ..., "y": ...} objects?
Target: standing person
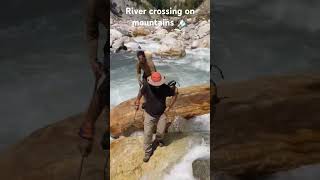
[
  {"x": 155, "y": 92},
  {"x": 97, "y": 12},
  {"x": 146, "y": 64}
]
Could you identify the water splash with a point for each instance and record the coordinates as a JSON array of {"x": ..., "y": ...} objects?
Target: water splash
[
  {"x": 183, "y": 170},
  {"x": 196, "y": 124}
]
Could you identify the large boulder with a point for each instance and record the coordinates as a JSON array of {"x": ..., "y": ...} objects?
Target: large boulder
[
  {"x": 203, "y": 30},
  {"x": 159, "y": 34},
  {"x": 205, "y": 42},
  {"x": 126, "y": 156},
  {"x": 118, "y": 43},
  {"x": 125, "y": 29},
  {"x": 267, "y": 125},
  {"x": 171, "y": 47},
  {"x": 192, "y": 101},
  {"x": 140, "y": 31},
  {"x": 114, "y": 35},
  {"x": 201, "y": 169}
]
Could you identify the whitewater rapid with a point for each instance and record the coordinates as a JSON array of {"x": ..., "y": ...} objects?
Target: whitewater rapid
[{"x": 191, "y": 70}]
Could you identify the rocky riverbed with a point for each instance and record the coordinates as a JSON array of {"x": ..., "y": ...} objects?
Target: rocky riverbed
[{"x": 169, "y": 41}]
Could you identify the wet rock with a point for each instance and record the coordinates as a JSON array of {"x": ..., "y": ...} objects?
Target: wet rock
[
  {"x": 119, "y": 44},
  {"x": 201, "y": 169}
]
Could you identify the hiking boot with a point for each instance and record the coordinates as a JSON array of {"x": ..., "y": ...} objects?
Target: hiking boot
[
  {"x": 161, "y": 144},
  {"x": 146, "y": 157}
]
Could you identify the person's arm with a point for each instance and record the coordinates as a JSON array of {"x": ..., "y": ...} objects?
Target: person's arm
[
  {"x": 138, "y": 68},
  {"x": 92, "y": 34},
  {"x": 152, "y": 66},
  {"x": 174, "y": 98},
  {"x": 137, "y": 101}
]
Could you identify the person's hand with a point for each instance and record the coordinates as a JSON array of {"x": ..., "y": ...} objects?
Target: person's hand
[
  {"x": 86, "y": 134},
  {"x": 167, "y": 110},
  {"x": 97, "y": 69},
  {"x": 137, "y": 104},
  {"x": 85, "y": 147},
  {"x": 140, "y": 83}
]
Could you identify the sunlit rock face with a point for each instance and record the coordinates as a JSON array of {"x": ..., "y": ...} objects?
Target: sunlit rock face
[{"x": 127, "y": 154}]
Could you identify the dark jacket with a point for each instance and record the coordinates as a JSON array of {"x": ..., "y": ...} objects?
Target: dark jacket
[{"x": 155, "y": 98}]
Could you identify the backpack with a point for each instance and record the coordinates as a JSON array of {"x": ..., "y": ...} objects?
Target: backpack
[{"x": 173, "y": 83}]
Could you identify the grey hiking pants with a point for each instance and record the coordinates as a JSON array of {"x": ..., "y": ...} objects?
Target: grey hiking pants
[{"x": 150, "y": 123}]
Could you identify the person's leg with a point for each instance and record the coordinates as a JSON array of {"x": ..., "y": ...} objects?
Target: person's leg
[
  {"x": 148, "y": 132},
  {"x": 161, "y": 128}
]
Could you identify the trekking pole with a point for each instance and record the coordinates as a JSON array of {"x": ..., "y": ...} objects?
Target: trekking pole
[
  {"x": 82, "y": 156},
  {"x": 135, "y": 114},
  {"x": 219, "y": 70},
  {"x": 81, "y": 167}
]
